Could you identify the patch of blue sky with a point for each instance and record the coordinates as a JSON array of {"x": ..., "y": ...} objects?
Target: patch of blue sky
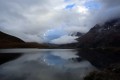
[
  {"x": 92, "y": 5},
  {"x": 67, "y": 0},
  {"x": 70, "y": 6},
  {"x": 54, "y": 34},
  {"x": 54, "y": 60}
]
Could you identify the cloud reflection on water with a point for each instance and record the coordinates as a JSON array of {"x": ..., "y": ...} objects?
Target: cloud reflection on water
[{"x": 37, "y": 66}]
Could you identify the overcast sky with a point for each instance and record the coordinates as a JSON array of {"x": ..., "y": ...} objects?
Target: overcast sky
[{"x": 52, "y": 20}]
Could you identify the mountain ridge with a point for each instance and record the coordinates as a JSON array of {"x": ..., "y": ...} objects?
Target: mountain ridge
[
  {"x": 9, "y": 41},
  {"x": 106, "y": 35}
]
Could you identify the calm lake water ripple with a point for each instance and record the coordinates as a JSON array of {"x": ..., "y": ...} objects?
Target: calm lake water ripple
[{"x": 45, "y": 64}]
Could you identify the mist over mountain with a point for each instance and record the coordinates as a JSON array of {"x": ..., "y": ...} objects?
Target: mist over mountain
[
  {"x": 55, "y": 21},
  {"x": 106, "y": 35},
  {"x": 78, "y": 34},
  {"x": 30, "y": 20},
  {"x": 6, "y": 38},
  {"x": 9, "y": 41}
]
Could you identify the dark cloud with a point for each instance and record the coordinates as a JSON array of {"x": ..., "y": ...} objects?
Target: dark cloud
[{"x": 110, "y": 3}]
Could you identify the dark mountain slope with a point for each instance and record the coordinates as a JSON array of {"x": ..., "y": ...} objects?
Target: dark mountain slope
[
  {"x": 78, "y": 34},
  {"x": 5, "y": 38},
  {"x": 8, "y": 41},
  {"x": 107, "y": 35}
]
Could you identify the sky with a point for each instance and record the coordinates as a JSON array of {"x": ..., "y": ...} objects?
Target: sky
[{"x": 52, "y": 20}]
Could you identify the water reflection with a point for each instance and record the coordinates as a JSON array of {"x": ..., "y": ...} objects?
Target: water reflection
[{"x": 46, "y": 65}]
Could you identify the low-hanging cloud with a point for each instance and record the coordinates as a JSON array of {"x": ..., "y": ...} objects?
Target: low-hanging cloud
[
  {"x": 110, "y": 3},
  {"x": 109, "y": 10},
  {"x": 64, "y": 40},
  {"x": 31, "y": 19}
]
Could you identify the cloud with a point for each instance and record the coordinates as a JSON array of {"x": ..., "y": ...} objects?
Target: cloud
[
  {"x": 64, "y": 40},
  {"x": 109, "y": 14},
  {"x": 31, "y": 19},
  {"x": 73, "y": 29},
  {"x": 68, "y": 54},
  {"x": 109, "y": 10},
  {"x": 110, "y": 3}
]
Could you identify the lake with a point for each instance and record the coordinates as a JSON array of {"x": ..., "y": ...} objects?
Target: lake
[{"x": 52, "y": 64}]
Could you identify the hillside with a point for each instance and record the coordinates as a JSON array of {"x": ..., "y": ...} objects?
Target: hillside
[
  {"x": 5, "y": 38},
  {"x": 106, "y": 35},
  {"x": 8, "y": 41}
]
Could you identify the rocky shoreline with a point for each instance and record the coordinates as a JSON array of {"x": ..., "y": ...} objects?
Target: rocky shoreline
[
  {"x": 106, "y": 60},
  {"x": 110, "y": 73}
]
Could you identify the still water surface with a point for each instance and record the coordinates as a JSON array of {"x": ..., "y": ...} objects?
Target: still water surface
[{"x": 45, "y": 64}]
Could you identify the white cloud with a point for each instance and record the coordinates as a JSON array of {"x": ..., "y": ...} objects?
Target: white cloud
[
  {"x": 110, "y": 9},
  {"x": 30, "y": 19},
  {"x": 33, "y": 18},
  {"x": 65, "y": 54},
  {"x": 64, "y": 40},
  {"x": 82, "y": 9},
  {"x": 73, "y": 29}
]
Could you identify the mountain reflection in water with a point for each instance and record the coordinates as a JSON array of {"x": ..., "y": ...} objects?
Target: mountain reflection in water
[{"x": 45, "y": 65}]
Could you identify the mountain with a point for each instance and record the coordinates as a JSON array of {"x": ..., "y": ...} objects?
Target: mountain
[
  {"x": 106, "y": 35},
  {"x": 76, "y": 34},
  {"x": 6, "y": 38},
  {"x": 9, "y": 41}
]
